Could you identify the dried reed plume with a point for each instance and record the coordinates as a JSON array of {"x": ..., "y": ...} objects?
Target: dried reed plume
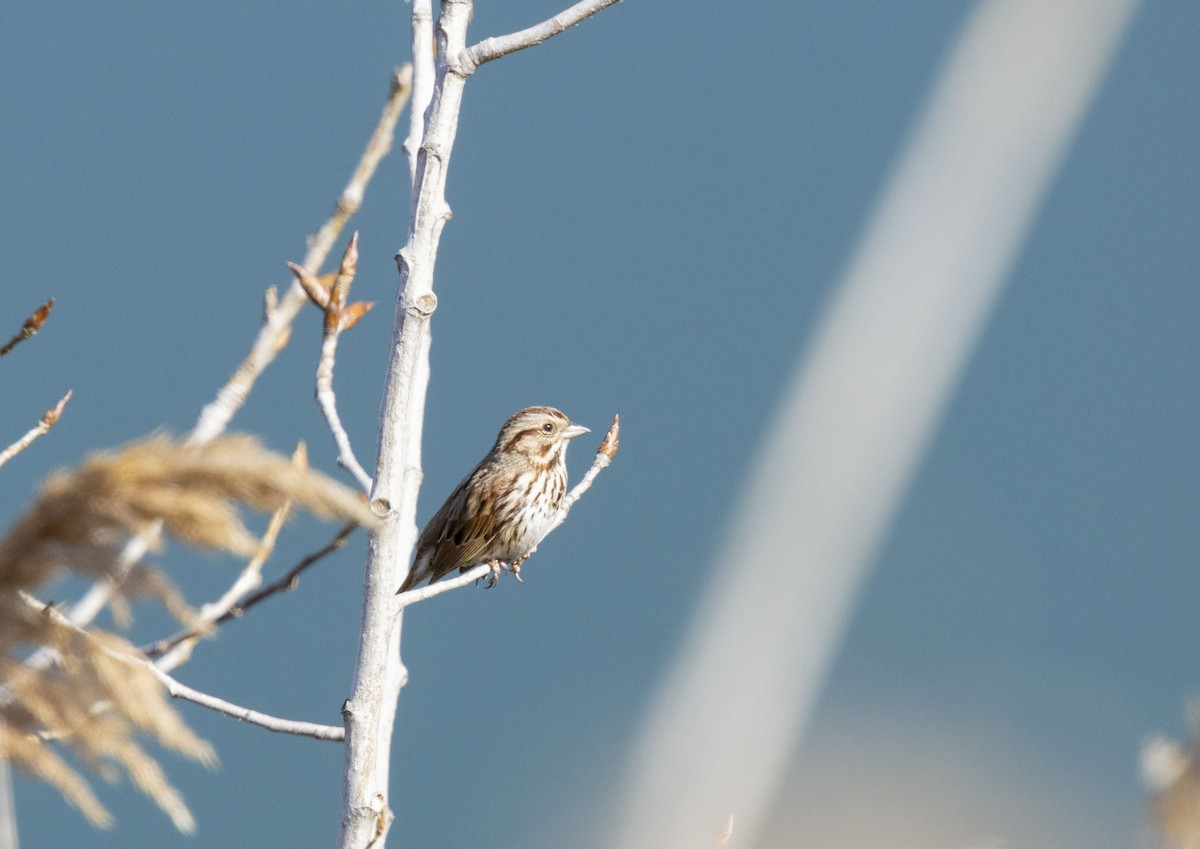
[
  {"x": 99, "y": 696},
  {"x": 1171, "y": 771}
]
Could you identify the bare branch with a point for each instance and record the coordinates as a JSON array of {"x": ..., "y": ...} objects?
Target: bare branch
[
  {"x": 248, "y": 579},
  {"x": 331, "y": 297},
  {"x": 179, "y": 690},
  {"x": 423, "y": 49},
  {"x": 379, "y": 674},
  {"x": 215, "y": 416},
  {"x": 379, "y": 146},
  {"x": 277, "y": 319},
  {"x": 445, "y": 585},
  {"x": 31, "y": 326},
  {"x": 286, "y": 583},
  {"x": 290, "y": 578},
  {"x": 48, "y": 420},
  {"x": 501, "y": 45}
]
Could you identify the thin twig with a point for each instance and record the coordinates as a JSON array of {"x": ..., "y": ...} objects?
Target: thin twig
[
  {"x": 379, "y": 145},
  {"x": 604, "y": 454},
  {"x": 327, "y": 401},
  {"x": 216, "y": 415},
  {"x": 277, "y": 321},
  {"x": 331, "y": 297},
  {"x": 180, "y": 646},
  {"x": 179, "y": 690},
  {"x": 47, "y": 421},
  {"x": 286, "y": 583},
  {"x": 501, "y": 45},
  {"x": 31, "y": 326}
]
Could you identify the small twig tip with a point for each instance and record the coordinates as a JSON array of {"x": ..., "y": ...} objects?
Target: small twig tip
[
  {"x": 612, "y": 439},
  {"x": 54, "y": 413}
]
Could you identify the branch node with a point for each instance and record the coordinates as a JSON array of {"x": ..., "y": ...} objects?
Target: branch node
[{"x": 424, "y": 305}]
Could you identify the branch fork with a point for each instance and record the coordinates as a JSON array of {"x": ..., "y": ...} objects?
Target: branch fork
[{"x": 329, "y": 293}]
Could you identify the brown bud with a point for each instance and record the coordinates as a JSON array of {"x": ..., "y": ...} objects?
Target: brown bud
[
  {"x": 612, "y": 439},
  {"x": 351, "y": 314},
  {"x": 52, "y": 415}
]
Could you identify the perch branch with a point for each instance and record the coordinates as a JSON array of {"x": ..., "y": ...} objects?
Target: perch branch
[{"x": 445, "y": 585}]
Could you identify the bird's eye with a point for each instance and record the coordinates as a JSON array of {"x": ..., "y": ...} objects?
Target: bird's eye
[{"x": 548, "y": 428}]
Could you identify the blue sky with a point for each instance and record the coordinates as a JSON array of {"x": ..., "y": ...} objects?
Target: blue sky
[{"x": 650, "y": 214}]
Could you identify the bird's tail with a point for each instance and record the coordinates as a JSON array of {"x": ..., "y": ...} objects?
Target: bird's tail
[{"x": 417, "y": 573}]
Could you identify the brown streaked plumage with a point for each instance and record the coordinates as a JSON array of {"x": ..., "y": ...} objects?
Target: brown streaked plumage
[{"x": 499, "y": 513}]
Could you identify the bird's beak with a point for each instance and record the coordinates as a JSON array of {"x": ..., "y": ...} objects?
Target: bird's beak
[{"x": 573, "y": 430}]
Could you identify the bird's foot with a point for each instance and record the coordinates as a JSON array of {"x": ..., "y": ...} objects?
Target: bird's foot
[{"x": 495, "y": 567}]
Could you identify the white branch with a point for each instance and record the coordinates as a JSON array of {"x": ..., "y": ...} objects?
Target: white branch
[
  {"x": 327, "y": 401},
  {"x": 428, "y": 591},
  {"x": 423, "y": 46},
  {"x": 215, "y": 416},
  {"x": 370, "y": 711},
  {"x": 501, "y": 45},
  {"x": 271, "y": 339},
  {"x": 179, "y": 690}
]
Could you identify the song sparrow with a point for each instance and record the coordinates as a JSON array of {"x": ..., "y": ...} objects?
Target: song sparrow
[{"x": 501, "y": 511}]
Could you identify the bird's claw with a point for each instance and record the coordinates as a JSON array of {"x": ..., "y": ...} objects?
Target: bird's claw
[{"x": 497, "y": 567}]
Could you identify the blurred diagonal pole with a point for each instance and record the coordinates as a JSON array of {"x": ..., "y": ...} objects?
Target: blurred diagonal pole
[
  {"x": 8, "y": 811},
  {"x": 720, "y": 735}
]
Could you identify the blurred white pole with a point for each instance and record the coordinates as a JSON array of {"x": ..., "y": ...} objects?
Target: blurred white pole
[
  {"x": 8, "y": 811},
  {"x": 721, "y": 733}
]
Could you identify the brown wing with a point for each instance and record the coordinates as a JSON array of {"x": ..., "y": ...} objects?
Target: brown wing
[{"x": 463, "y": 531}]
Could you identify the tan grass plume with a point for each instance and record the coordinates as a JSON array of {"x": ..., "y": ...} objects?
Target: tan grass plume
[{"x": 98, "y": 698}]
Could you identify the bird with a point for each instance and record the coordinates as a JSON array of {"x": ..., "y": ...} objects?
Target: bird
[{"x": 500, "y": 512}]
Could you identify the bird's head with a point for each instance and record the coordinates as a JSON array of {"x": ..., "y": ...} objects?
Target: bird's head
[{"x": 538, "y": 432}]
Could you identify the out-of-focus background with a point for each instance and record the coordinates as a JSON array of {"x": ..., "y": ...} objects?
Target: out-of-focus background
[{"x": 652, "y": 215}]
